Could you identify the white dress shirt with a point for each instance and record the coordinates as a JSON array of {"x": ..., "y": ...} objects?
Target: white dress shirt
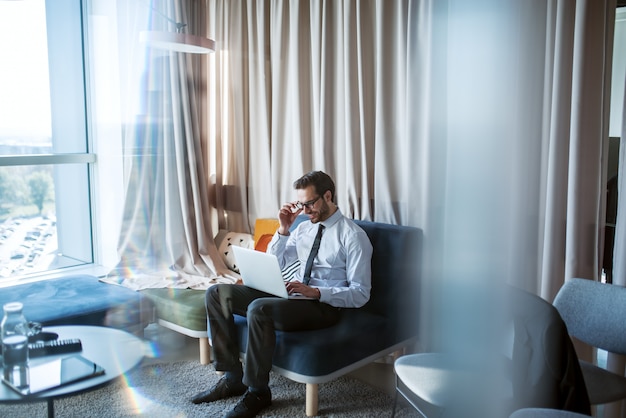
[{"x": 342, "y": 269}]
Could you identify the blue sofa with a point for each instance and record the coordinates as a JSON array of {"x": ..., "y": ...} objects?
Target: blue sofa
[
  {"x": 386, "y": 324},
  {"x": 80, "y": 300}
]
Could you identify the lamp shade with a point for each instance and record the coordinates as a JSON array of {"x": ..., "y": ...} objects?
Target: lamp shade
[{"x": 177, "y": 42}]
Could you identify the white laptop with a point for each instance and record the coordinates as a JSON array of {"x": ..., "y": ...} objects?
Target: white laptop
[{"x": 261, "y": 271}]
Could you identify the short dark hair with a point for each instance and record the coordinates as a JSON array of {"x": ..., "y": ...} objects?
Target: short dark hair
[{"x": 320, "y": 180}]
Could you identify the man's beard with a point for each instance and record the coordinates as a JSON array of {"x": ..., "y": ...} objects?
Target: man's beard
[{"x": 320, "y": 215}]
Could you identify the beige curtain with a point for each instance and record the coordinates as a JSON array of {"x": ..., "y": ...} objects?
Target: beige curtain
[
  {"x": 483, "y": 123},
  {"x": 297, "y": 86},
  {"x": 576, "y": 223}
]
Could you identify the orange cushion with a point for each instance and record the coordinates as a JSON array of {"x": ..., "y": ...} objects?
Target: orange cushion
[
  {"x": 264, "y": 226},
  {"x": 263, "y": 242}
]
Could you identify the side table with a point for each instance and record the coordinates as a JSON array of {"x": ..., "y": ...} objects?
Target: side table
[{"x": 115, "y": 350}]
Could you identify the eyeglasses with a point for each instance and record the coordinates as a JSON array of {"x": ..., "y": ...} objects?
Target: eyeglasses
[{"x": 310, "y": 203}]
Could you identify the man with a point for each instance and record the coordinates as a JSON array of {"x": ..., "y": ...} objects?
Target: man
[{"x": 339, "y": 277}]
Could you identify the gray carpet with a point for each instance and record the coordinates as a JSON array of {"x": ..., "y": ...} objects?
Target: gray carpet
[{"x": 164, "y": 390}]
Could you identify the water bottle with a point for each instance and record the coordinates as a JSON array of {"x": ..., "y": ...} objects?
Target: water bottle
[{"x": 14, "y": 334}]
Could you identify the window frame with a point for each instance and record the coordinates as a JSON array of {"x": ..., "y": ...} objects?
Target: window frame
[{"x": 70, "y": 110}]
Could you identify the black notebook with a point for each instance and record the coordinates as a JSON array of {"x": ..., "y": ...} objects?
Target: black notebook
[{"x": 55, "y": 373}]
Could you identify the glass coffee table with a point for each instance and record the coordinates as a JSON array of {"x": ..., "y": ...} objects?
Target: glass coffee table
[{"x": 116, "y": 351}]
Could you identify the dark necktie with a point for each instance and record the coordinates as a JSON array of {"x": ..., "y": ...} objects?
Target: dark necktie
[{"x": 314, "y": 249}]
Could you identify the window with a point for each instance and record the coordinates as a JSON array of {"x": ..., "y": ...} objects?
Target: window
[{"x": 45, "y": 161}]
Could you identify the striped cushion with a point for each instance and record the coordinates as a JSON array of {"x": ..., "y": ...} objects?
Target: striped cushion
[{"x": 289, "y": 272}]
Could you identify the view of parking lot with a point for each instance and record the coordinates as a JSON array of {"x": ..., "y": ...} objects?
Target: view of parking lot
[{"x": 27, "y": 245}]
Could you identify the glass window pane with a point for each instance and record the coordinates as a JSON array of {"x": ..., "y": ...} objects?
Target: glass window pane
[
  {"x": 40, "y": 229},
  {"x": 25, "y": 125},
  {"x": 42, "y": 88}
]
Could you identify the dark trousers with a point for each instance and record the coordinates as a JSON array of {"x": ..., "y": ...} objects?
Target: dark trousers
[{"x": 265, "y": 314}]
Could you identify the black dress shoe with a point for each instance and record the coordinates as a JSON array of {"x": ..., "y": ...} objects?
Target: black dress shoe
[
  {"x": 250, "y": 405},
  {"x": 223, "y": 389}
]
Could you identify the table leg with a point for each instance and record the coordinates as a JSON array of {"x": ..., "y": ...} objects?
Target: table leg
[{"x": 50, "y": 408}]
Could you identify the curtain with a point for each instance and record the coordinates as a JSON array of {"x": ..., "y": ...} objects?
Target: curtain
[
  {"x": 617, "y": 363},
  {"x": 321, "y": 85},
  {"x": 166, "y": 235},
  {"x": 482, "y": 123}
]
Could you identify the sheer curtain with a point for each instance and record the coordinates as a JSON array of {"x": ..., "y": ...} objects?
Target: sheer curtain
[{"x": 165, "y": 232}]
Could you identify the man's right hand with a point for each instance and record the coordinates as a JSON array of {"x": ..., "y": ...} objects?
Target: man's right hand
[{"x": 287, "y": 215}]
